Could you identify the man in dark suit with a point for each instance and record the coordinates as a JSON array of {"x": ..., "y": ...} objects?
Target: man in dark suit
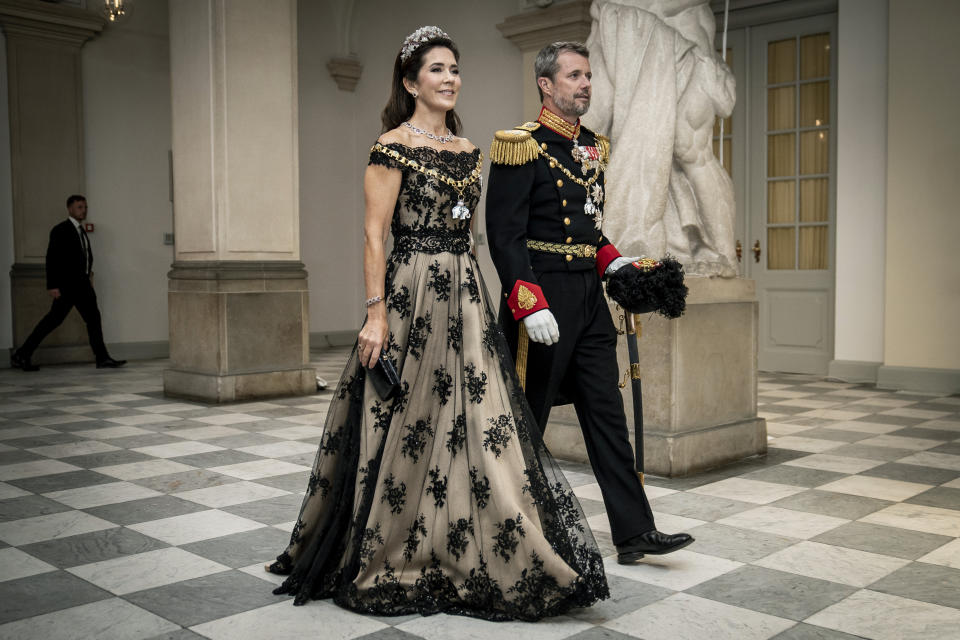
[
  {"x": 544, "y": 214},
  {"x": 69, "y": 268}
]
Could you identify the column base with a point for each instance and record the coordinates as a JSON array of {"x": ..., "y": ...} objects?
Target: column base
[
  {"x": 238, "y": 331},
  {"x": 699, "y": 377},
  {"x": 30, "y": 302}
]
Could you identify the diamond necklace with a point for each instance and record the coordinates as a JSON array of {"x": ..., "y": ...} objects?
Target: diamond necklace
[{"x": 441, "y": 139}]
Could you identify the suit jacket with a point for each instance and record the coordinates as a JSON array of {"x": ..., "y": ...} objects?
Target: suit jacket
[
  {"x": 66, "y": 264},
  {"x": 529, "y": 197}
]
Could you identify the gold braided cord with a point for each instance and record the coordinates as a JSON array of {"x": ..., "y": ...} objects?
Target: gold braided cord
[
  {"x": 513, "y": 147},
  {"x": 583, "y": 183},
  {"x": 603, "y": 143},
  {"x": 523, "y": 344},
  {"x": 579, "y": 250},
  {"x": 459, "y": 185}
]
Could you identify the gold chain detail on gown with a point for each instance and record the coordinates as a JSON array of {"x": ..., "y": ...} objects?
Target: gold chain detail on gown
[{"x": 458, "y": 185}]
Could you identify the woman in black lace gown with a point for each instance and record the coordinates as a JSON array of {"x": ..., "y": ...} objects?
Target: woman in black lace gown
[{"x": 443, "y": 499}]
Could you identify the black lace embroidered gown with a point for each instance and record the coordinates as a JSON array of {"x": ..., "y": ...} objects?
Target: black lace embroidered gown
[{"x": 443, "y": 499}]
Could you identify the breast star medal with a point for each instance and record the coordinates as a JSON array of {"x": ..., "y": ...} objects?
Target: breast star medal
[{"x": 596, "y": 196}]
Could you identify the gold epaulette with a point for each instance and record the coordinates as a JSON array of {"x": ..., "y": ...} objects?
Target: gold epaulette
[
  {"x": 515, "y": 146},
  {"x": 603, "y": 144}
]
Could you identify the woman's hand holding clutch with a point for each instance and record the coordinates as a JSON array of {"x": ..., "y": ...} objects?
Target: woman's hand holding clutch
[{"x": 373, "y": 337}]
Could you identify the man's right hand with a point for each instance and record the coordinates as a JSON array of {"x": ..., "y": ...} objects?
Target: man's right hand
[
  {"x": 54, "y": 293},
  {"x": 542, "y": 327}
]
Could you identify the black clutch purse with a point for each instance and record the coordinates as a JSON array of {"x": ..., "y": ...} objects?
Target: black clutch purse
[{"x": 384, "y": 377}]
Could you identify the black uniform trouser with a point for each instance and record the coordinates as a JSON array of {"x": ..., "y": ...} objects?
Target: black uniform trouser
[
  {"x": 81, "y": 296},
  {"x": 584, "y": 364}
]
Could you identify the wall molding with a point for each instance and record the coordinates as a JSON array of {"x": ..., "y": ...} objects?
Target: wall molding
[
  {"x": 854, "y": 370},
  {"x": 919, "y": 379}
]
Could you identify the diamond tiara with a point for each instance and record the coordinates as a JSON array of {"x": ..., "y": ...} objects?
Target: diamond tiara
[{"x": 417, "y": 38}]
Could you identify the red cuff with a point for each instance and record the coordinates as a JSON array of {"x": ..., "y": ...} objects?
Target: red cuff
[
  {"x": 526, "y": 298},
  {"x": 607, "y": 254}
]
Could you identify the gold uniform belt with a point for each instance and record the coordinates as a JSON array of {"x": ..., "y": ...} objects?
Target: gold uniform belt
[{"x": 578, "y": 250}]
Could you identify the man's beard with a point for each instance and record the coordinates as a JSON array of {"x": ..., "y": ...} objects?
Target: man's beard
[{"x": 571, "y": 106}]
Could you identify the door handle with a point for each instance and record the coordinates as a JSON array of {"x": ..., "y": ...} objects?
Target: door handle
[
  {"x": 756, "y": 251},
  {"x": 739, "y": 251}
]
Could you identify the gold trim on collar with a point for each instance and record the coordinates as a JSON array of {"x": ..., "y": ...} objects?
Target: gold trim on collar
[{"x": 557, "y": 124}]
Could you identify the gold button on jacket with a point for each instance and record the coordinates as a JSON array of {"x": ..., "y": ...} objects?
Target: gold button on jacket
[
  {"x": 566, "y": 221},
  {"x": 559, "y": 183}
]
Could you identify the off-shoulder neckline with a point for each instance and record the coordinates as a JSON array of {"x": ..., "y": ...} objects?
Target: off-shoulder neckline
[{"x": 474, "y": 151}]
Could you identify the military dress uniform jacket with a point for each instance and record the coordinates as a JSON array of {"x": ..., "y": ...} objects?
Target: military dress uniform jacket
[{"x": 531, "y": 198}]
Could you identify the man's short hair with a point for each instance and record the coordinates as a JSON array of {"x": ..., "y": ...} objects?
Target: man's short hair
[
  {"x": 546, "y": 65},
  {"x": 75, "y": 198}
]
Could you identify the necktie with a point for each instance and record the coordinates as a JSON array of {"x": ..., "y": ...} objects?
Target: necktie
[{"x": 85, "y": 244}]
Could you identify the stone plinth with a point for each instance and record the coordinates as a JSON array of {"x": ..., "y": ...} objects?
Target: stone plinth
[
  {"x": 699, "y": 384},
  {"x": 238, "y": 330}
]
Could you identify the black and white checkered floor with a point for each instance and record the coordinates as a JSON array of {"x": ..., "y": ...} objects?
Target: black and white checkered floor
[{"x": 127, "y": 515}]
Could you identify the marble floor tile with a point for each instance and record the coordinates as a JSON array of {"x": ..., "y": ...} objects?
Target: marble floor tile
[
  {"x": 838, "y": 505},
  {"x": 257, "y": 469},
  {"x": 888, "y": 541},
  {"x": 282, "y": 620},
  {"x": 884, "y": 402},
  {"x": 140, "y": 571},
  {"x": 111, "y": 619},
  {"x": 296, "y": 433},
  {"x": 39, "y": 594},
  {"x": 171, "y": 407},
  {"x": 144, "y": 418},
  {"x": 34, "y": 468},
  {"x": 806, "y": 402},
  {"x": 446, "y": 626},
  {"x": 281, "y": 509},
  {"x": 95, "y": 546},
  {"x": 915, "y": 517},
  {"x": 686, "y": 617},
  {"x": 259, "y": 546},
  {"x": 117, "y": 397},
  {"x": 810, "y": 445},
  {"x": 187, "y": 480},
  {"x": 780, "y": 429},
  {"x": 192, "y": 527},
  {"x": 230, "y": 494},
  {"x": 229, "y": 419},
  {"x": 835, "y": 564},
  {"x": 89, "y": 408},
  {"x": 315, "y": 419},
  {"x": 829, "y": 462},
  {"x": 773, "y": 592},
  {"x": 59, "y": 481},
  {"x": 909, "y": 412},
  {"x": 783, "y": 522},
  {"x": 100, "y": 494},
  {"x": 933, "y": 459},
  {"x": 206, "y": 598},
  {"x": 741, "y": 545},
  {"x": 16, "y": 407},
  {"x": 836, "y": 414},
  {"x": 50, "y": 527},
  {"x": 802, "y": 477},
  {"x": 174, "y": 449},
  {"x": 109, "y": 433},
  {"x": 15, "y": 564},
  {"x": 53, "y": 420},
  {"x": 134, "y": 511},
  {"x": 925, "y": 582},
  {"x": 912, "y": 473},
  {"x": 744, "y": 490},
  {"x": 145, "y": 469},
  {"x": 205, "y": 433},
  {"x": 28, "y": 506},
  {"x": 879, "y": 488},
  {"x": 281, "y": 449},
  {"x": 8, "y": 491},
  {"x": 803, "y": 631},
  {"x": 944, "y": 497},
  {"x": 248, "y": 407},
  {"x": 948, "y": 555},
  {"x": 625, "y": 596},
  {"x": 880, "y": 616},
  {"x": 899, "y": 442},
  {"x": 953, "y": 484},
  {"x": 678, "y": 570},
  {"x": 701, "y": 507}
]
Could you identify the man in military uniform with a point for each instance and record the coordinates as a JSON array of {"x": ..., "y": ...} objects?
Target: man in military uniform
[{"x": 544, "y": 212}]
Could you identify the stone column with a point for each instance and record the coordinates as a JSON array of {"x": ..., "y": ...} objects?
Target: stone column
[
  {"x": 46, "y": 155},
  {"x": 238, "y": 299}
]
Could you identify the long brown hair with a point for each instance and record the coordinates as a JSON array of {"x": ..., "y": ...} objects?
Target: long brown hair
[{"x": 400, "y": 105}]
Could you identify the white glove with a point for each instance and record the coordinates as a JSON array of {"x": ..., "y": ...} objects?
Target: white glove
[
  {"x": 616, "y": 263},
  {"x": 542, "y": 327}
]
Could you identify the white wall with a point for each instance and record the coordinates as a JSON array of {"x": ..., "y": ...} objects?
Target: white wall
[
  {"x": 126, "y": 93},
  {"x": 337, "y": 129},
  {"x": 923, "y": 192},
  {"x": 861, "y": 173},
  {"x": 6, "y": 210}
]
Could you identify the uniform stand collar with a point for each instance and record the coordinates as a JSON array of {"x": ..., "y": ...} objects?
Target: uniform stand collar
[{"x": 558, "y": 125}]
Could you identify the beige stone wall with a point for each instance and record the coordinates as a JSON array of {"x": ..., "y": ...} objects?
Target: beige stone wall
[
  {"x": 923, "y": 194},
  {"x": 6, "y": 207}
]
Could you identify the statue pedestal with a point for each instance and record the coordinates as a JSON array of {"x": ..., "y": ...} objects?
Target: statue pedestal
[{"x": 699, "y": 384}]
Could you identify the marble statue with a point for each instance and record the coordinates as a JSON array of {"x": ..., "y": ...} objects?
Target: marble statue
[{"x": 658, "y": 86}]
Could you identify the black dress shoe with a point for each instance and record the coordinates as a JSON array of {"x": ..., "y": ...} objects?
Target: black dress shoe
[
  {"x": 110, "y": 363},
  {"x": 651, "y": 543},
  {"x": 19, "y": 361}
]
